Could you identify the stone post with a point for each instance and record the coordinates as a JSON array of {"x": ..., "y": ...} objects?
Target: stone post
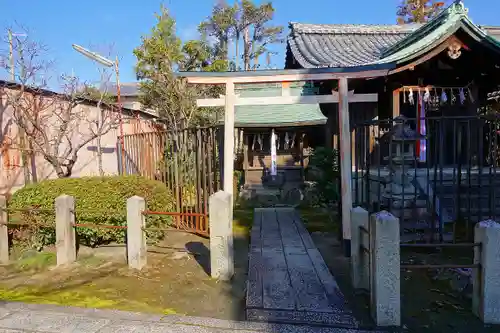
[
  {"x": 65, "y": 230},
  {"x": 136, "y": 236},
  {"x": 4, "y": 231},
  {"x": 221, "y": 236},
  {"x": 385, "y": 274},
  {"x": 360, "y": 260},
  {"x": 486, "y": 279}
]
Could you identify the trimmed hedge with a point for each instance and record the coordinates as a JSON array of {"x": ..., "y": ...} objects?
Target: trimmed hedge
[{"x": 98, "y": 200}]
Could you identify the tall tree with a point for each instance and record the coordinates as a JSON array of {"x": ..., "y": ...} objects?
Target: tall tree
[
  {"x": 220, "y": 26},
  {"x": 245, "y": 23},
  {"x": 418, "y": 11},
  {"x": 198, "y": 55},
  {"x": 258, "y": 32},
  {"x": 159, "y": 55}
]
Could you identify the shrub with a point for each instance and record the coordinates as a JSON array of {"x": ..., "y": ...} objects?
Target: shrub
[
  {"x": 98, "y": 200},
  {"x": 238, "y": 182},
  {"x": 325, "y": 163}
]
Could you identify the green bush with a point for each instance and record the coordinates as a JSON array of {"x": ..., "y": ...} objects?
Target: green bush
[
  {"x": 325, "y": 163},
  {"x": 98, "y": 200}
]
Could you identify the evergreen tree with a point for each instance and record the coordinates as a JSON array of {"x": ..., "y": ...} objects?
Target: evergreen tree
[
  {"x": 157, "y": 58},
  {"x": 242, "y": 22}
]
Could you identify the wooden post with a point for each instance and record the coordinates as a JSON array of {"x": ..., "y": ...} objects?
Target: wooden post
[
  {"x": 285, "y": 88},
  {"x": 395, "y": 103},
  {"x": 345, "y": 164},
  {"x": 65, "y": 230},
  {"x": 353, "y": 149},
  {"x": 4, "y": 231},
  {"x": 245, "y": 156},
  {"x": 228, "y": 139},
  {"x": 301, "y": 147}
]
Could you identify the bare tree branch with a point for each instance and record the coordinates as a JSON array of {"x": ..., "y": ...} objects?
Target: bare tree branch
[{"x": 57, "y": 125}]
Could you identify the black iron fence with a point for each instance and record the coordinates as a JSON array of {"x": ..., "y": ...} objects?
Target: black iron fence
[{"x": 438, "y": 175}]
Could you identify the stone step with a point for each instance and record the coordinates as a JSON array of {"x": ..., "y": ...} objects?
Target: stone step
[
  {"x": 469, "y": 196},
  {"x": 288, "y": 280},
  {"x": 415, "y": 203},
  {"x": 474, "y": 207},
  {"x": 485, "y": 183},
  {"x": 338, "y": 319},
  {"x": 408, "y": 214},
  {"x": 476, "y": 188},
  {"x": 425, "y": 237},
  {"x": 419, "y": 225}
]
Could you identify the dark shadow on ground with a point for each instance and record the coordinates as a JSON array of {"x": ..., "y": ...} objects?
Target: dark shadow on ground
[
  {"x": 235, "y": 289},
  {"x": 238, "y": 284},
  {"x": 201, "y": 253}
]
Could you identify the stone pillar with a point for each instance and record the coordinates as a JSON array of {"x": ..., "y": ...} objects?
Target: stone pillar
[
  {"x": 221, "y": 236},
  {"x": 486, "y": 279},
  {"x": 360, "y": 260},
  {"x": 4, "y": 231},
  {"x": 385, "y": 288},
  {"x": 65, "y": 230},
  {"x": 136, "y": 236}
]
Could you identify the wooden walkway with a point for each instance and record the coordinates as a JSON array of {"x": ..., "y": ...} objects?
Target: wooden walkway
[{"x": 288, "y": 280}]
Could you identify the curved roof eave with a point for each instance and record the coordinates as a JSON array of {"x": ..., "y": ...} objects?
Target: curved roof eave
[
  {"x": 424, "y": 45},
  {"x": 439, "y": 36},
  {"x": 448, "y": 17},
  {"x": 298, "y": 55}
]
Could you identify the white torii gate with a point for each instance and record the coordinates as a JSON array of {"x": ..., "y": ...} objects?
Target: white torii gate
[{"x": 343, "y": 97}]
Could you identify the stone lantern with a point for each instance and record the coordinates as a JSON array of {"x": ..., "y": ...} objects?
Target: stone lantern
[{"x": 400, "y": 193}]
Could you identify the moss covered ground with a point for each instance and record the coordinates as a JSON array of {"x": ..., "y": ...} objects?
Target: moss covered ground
[{"x": 175, "y": 281}]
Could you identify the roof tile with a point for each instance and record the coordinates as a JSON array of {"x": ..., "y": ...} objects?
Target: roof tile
[
  {"x": 314, "y": 45},
  {"x": 372, "y": 29},
  {"x": 350, "y": 45},
  {"x": 277, "y": 115}
]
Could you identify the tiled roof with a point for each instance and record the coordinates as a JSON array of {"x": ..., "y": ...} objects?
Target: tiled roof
[
  {"x": 126, "y": 89},
  {"x": 276, "y": 115},
  {"x": 369, "y": 29},
  {"x": 337, "y": 45},
  {"x": 494, "y": 96}
]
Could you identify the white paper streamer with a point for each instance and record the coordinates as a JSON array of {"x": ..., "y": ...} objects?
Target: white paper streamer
[{"x": 274, "y": 167}]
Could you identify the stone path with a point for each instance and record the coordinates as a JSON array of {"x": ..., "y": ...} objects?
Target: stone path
[
  {"x": 19, "y": 317},
  {"x": 288, "y": 280}
]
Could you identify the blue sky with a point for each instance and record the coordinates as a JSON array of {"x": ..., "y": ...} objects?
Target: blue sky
[{"x": 121, "y": 23}]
